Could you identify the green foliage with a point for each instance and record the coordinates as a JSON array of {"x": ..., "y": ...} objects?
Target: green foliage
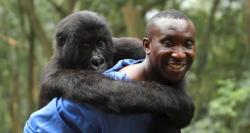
[
  {"x": 228, "y": 98},
  {"x": 228, "y": 111}
]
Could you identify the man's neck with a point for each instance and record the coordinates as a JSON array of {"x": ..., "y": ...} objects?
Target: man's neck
[{"x": 148, "y": 72}]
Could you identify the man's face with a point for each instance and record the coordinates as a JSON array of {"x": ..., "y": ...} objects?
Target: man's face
[{"x": 172, "y": 48}]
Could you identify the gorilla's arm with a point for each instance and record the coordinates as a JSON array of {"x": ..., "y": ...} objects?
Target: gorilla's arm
[
  {"x": 117, "y": 96},
  {"x": 127, "y": 48}
]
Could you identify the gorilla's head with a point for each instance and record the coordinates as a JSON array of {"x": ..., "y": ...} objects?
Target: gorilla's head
[{"x": 83, "y": 41}]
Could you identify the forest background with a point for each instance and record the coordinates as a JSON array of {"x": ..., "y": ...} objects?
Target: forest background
[{"x": 219, "y": 81}]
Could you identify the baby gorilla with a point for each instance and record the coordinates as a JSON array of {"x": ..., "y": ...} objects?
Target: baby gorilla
[{"x": 83, "y": 49}]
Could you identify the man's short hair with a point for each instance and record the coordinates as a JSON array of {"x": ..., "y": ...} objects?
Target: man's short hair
[{"x": 171, "y": 13}]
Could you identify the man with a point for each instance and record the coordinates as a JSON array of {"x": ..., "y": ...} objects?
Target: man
[{"x": 170, "y": 50}]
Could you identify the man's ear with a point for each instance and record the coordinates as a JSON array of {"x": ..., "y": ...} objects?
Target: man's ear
[{"x": 146, "y": 45}]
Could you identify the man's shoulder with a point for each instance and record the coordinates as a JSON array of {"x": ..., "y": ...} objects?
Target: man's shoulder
[
  {"x": 123, "y": 63},
  {"x": 114, "y": 71}
]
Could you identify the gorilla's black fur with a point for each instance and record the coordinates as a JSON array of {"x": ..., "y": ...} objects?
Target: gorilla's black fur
[
  {"x": 84, "y": 46},
  {"x": 128, "y": 48}
]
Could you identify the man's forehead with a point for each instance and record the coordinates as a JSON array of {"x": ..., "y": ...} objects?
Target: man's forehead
[{"x": 171, "y": 23}]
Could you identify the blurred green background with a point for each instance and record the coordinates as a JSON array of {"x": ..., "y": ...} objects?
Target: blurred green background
[{"x": 219, "y": 81}]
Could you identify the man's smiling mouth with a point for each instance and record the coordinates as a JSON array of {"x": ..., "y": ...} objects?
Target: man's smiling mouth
[{"x": 176, "y": 67}]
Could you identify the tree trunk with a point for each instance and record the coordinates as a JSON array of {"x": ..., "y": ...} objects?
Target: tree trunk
[
  {"x": 70, "y": 5},
  {"x": 132, "y": 20},
  {"x": 203, "y": 91},
  {"x": 204, "y": 46},
  {"x": 32, "y": 93},
  {"x": 58, "y": 8},
  {"x": 14, "y": 93},
  {"x": 36, "y": 25},
  {"x": 246, "y": 23}
]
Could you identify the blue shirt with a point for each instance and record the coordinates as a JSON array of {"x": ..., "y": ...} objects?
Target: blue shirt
[{"x": 64, "y": 116}]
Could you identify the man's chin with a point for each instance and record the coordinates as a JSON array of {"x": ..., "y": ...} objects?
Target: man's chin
[{"x": 174, "y": 76}]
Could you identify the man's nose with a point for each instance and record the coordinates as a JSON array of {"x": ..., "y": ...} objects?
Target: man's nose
[{"x": 178, "y": 53}]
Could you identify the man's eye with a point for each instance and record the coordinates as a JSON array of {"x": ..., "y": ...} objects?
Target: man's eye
[
  {"x": 188, "y": 44},
  {"x": 167, "y": 43}
]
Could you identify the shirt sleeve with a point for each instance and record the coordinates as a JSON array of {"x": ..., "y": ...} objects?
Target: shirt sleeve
[
  {"x": 114, "y": 71},
  {"x": 61, "y": 116}
]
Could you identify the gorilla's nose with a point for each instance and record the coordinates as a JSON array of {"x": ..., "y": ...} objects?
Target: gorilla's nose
[{"x": 97, "y": 62}]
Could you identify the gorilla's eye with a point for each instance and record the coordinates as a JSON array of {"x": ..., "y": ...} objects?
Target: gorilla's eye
[
  {"x": 60, "y": 38},
  {"x": 59, "y": 35},
  {"x": 101, "y": 44}
]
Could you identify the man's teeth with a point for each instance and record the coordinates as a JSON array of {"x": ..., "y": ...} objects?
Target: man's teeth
[{"x": 176, "y": 66}]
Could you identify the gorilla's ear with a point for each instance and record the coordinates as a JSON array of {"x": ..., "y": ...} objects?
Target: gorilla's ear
[{"x": 60, "y": 38}]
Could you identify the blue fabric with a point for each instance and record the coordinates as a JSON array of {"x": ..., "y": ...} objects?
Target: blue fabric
[
  {"x": 64, "y": 116},
  {"x": 113, "y": 72}
]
